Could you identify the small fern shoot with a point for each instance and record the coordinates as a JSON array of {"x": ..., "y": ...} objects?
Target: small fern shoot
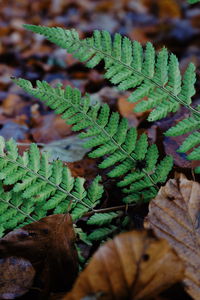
[
  {"x": 132, "y": 159},
  {"x": 38, "y": 187},
  {"x": 127, "y": 65}
]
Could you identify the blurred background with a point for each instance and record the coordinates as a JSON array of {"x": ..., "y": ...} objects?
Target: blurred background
[{"x": 173, "y": 23}]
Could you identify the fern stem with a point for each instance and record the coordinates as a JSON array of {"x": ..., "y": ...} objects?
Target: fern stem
[
  {"x": 19, "y": 210},
  {"x": 45, "y": 179},
  {"x": 105, "y": 54},
  {"x": 28, "y": 144},
  {"x": 110, "y": 209}
]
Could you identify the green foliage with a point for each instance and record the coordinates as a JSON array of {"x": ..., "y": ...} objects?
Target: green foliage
[
  {"x": 102, "y": 218},
  {"x": 102, "y": 233},
  {"x": 33, "y": 187},
  {"x": 111, "y": 138},
  {"x": 127, "y": 65},
  {"x": 36, "y": 187},
  {"x": 193, "y": 1}
]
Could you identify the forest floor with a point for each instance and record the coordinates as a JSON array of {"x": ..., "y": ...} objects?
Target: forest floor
[{"x": 170, "y": 23}]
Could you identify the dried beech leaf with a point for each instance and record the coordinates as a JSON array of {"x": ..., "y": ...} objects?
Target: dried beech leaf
[
  {"x": 49, "y": 245},
  {"x": 16, "y": 277},
  {"x": 174, "y": 215},
  {"x": 134, "y": 265}
]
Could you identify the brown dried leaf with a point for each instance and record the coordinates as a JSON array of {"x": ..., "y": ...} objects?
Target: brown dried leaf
[
  {"x": 16, "y": 277},
  {"x": 135, "y": 265},
  {"x": 174, "y": 215},
  {"x": 169, "y": 9},
  {"x": 50, "y": 128},
  {"x": 126, "y": 110},
  {"x": 12, "y": 105},
  {"x": 49, "y": 245},
  {"x": 86, "y": 167}
]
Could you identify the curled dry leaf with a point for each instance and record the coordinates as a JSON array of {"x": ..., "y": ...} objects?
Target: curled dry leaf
[
  {"x": 49, "y": 245},
  {"x": 175, "y": 215},
  {"x": 16, "y": 277},
  {"x": 134, "y": 265}
]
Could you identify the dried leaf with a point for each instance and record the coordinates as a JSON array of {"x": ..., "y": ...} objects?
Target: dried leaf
[
  {"x": 174, "y": 215},
  {"x": 16, "y": 277},
  {"x": 49, "y": 245},
  {"x": 69, "y": 149},
  {"x": 126, "y": 110},
  {"x": 169, "y": 9},
  {"x": 134, "y": 265},
  {"x": 49, "y": 128},
  {"x": 13, "y": 130},
  {"x": 86, "y": 167}
]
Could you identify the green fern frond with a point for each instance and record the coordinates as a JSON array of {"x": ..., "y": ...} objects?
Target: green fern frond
[
  {"x": 108, "y": 133},
  {"x": 102, "y": 233},
  {"x": 37, "y": 187},
  {"x": 126, "y": 60},
  {"x": 94, "y": 194},
  {"x": 184, "y": 126},
  {"x": 193, "y": 1},
  {"x": 190, "y": 142},
  {"x": 188, "y": 125},
  {"x": 127, "y": 65},
  {"x": 102, "y": 218},
  {"x": 195, "y": 154}
]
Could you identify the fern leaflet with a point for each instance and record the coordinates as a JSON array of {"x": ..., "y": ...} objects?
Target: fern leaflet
[
  {"x": 102, "y": 218},
  {"x": 102, "y": 233}
]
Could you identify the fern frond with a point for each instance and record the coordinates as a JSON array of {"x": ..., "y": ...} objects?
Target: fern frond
[
  {"x": 94, "y": 194},
  {"x": 190, "y": 142},
  {"x": 191, "y": 124},
  {"x": 195, "y": 154},
  {"x": 102, "y": 218},
  {"x": 107, "y": 132},
  {"x": 124, "y": 60},
  {"x": 101, "y": 233},
  {"x": 193, "y": 1},
  {"x": 37, "y": 187},
  {"x": 156, "y": 77}
]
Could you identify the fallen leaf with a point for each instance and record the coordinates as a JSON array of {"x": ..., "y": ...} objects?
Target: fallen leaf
[
  {"x": 171, "y": 145},
  {"x": 13, "y": 130},
  {"x": 12, "y": 105},
  {"x": 50, "y": 128},
  {"x": 175, "y": 215},
  {"x": 126, "y": 110},
  {"x": 49, "y": 245},
  {"x": 69, "y": 149},
  {"x": 134, "y": 265},
  {"x": 86, "y": 167},
  {"x": 169, "y": 9},
  {"x": 16, "y": 277}
]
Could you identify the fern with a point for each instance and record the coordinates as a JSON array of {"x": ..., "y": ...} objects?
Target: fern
[
  {"x": 102, "y": 218},
  {"x": 38, "y": 187},
  {"x": 193, "y": 1},
  {"x": 128, "y": 66},
  {"x": 102, "y": 233},
  {"x": 131, "y": 157}
]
